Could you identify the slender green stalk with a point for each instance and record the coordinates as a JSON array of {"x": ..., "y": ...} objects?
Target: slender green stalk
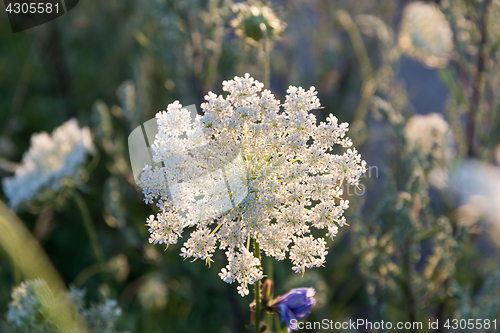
[
  {"x": 270, "y": 276},
  {"x": 479, "y": 82},
  {"x": 89, "y": 227},
  {"x": 270, "y": 271},
  {"x": 267, "y": 51},
  {"x": 257, "y": 291},
  {"x": 267, "y": 85},
  {"x": 369, "y": 85}
]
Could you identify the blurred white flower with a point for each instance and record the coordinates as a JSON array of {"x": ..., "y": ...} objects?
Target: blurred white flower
[
  {"x": 26, "y": 306},
  {"x": 292, "y": 180},
  {"x": 153, "y": 293},
  {"x": 32, "y": 301},
  {"x": 477, "y": 185},
  {"x": 430, "y": 134},
  {"x": 49, "y": 159},
  {"x": 425, "y": 34}
]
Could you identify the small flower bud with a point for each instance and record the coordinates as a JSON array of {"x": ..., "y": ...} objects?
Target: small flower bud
[
  {"x": 267, "y": 290},
  {"x": 254, "y": 20}
]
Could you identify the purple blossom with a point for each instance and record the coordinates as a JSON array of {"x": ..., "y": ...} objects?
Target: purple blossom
[{"x": 296, "y": 304}]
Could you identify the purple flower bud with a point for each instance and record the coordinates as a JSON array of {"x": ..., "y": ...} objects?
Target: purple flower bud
[{"x": 296, "y": 304}]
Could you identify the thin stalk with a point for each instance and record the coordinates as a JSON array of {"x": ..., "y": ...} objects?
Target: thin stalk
[
  {"x": 256, "y": 325},
  {"x": 267, "y": 85},
  {"x": 407, "y": 265},
  {"x": 478, "y": 82},
  {"x": 270, "y": 272},
  {"x": 266, "y": 51},
  {"x": 369, "y": 85},
  {"x": 89, "y": 227},
  {"x": 269, "y": 275}
]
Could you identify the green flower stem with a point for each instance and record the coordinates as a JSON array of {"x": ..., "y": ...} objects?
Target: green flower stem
[
  {"x": 270, "y": 271},
  {"x": 369, "y": 85},
  {"x": 266, "y": 51},
  {"x": 479, "y": 82},
  {"x": 257, "y": 292},
  {"x": 89, "y": 227},
  {"x": 267, "y": 85},
  {"x": 269, "y": 275}
]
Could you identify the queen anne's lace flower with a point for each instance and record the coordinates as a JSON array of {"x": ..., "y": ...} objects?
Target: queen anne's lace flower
[
  {"x": 426, "y": 34},
  {"x": 32, "y": 301},
  {"x": 49, "y": 159},
  {"x": 429, "y": 134},
  {"x": 477, "y": 185},
  {"x": 292, "y": 179}
]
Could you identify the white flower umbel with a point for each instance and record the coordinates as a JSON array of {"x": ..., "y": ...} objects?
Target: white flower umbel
[
  {"x": 477, "y": 185},
  {"x": 201, "y": 245},
  {"x": 308, "y": 252},
  {"x": 243, "y": 268},
  {"x": 292, "y": 179},
  {"x": 430, "y": 134},
  {"x": 425, "y": 34},
  {"x": 49, "y": 159}
]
